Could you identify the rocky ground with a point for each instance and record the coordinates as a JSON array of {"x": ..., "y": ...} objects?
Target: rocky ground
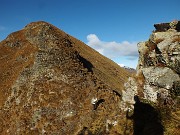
[{"x": 52, "y": 83}]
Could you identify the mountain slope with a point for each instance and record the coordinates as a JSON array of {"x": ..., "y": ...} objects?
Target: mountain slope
[{"x": 55, "y": 84}]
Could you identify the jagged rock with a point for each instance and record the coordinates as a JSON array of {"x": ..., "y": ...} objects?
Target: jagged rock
[
  {"x": 48, "y": 80},
  {"x": 162, "y": 26},
  {"x": 150, "y": 92},
  {"x": 159, "y": 62},
  {"x": 130, "y": 90},
  {"x": 160, "y": 76},
  {"x": 158, "y": 80},
  {"x": 142, "y": 49},
  {"x": 159, "y": 59},
  {"x": 166, "y": 26}
]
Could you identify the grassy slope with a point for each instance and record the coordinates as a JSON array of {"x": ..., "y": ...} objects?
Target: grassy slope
[{"x": 105, "y": 68}]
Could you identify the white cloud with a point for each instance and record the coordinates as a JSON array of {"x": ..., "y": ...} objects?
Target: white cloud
[
  {"x": 113, "y": 49},
  {"x": 121, "y": 65}
]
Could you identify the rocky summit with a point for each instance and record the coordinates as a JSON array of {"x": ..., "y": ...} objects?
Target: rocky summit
[{"x": 52, "y": 83}]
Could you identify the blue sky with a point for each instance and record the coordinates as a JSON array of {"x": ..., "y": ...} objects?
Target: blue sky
[{"x": 112, "y": 27}]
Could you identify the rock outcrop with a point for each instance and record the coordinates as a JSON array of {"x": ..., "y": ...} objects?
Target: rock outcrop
[
  {"x": 159, "y": 62},
  {"x": 166, "y": 26},
  {"x": 52, "y": 83},
  {"x": 158, "y": 74}
]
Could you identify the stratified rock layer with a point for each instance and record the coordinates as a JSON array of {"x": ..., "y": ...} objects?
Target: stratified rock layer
[{"x": 52, "y": 83}]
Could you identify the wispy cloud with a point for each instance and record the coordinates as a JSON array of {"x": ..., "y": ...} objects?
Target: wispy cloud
[{"x": 113, "y": 49}]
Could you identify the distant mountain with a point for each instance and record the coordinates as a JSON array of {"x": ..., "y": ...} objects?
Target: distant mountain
[
  {"x": 52, "y": 83},
  {"x": 131, "y": 70}
]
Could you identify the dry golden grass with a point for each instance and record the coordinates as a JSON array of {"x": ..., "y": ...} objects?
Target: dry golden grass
[{"x": 105, "y": 68}]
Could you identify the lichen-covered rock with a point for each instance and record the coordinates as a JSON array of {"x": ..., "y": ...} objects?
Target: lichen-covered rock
[
  {"x": 128, "y": 94},
  {"x": 142, "y": 49},
  {"x": 131, "y": 90},
  {"x": 159, "y": 62},
  {"x": 159, "y": 59},
  {"x": 160, "y": 76},
  {"x": 157, "y": 80}
]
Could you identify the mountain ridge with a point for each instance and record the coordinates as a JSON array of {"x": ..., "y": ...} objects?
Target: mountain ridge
[{"x": 48, "y": 82}]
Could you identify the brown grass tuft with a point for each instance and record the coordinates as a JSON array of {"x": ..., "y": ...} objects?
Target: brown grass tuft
[
  {"x": 157, "y": 41},
  {"x": 176, "y": 39}
]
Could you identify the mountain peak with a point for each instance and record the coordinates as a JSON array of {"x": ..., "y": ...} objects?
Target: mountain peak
[
  {"x": 48, "y": 80},
  {"x": 32, "y": 24}
]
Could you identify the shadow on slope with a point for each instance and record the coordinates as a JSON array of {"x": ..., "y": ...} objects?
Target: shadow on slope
[{"x": 146, "y": 119}]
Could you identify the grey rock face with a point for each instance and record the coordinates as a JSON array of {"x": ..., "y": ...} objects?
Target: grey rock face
[
  {"x": 159, "y": 60},
  {"x": 157, "y": 81},
  {"x": 160, "y": 76}
]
